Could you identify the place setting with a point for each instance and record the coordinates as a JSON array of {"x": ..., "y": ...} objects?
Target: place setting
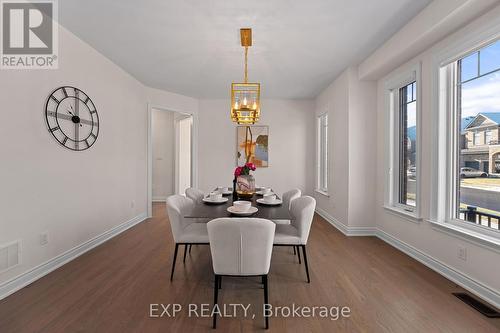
[
  {"x": 215, "y": 198},
  {"x": 242, "y": 208},
  {"x": 269, "y": 199}
]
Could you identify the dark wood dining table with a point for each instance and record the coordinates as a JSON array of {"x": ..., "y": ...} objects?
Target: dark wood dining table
[{"x": 213, "y": 211}]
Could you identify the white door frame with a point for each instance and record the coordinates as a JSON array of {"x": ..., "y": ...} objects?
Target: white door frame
[
  {"x": 194, "y": 151},
  {"x": 177, "y": 120}
]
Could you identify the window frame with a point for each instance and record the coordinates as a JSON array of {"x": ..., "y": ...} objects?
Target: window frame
[
  {"x": 393, "y": 84},
  {"x": 322, "y": 154},
  {"x": 445, "y": 134}
]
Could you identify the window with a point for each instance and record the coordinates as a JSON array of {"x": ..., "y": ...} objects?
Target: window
[
  {"x": 487, "y": 136},
  {"x": 477, "y": 138},
  {"x": 403, "y": 143},
  {"x": 467, "y": 180},
  {"x": 407, "y": 144},
  {"x": 322, "y": 153},
  {"x": 477, "y": 194}
]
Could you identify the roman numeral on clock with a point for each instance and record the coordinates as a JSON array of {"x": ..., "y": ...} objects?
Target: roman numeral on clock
[
  {"x": 54, "y": 99},
  {"x": 53, "y": 129}
]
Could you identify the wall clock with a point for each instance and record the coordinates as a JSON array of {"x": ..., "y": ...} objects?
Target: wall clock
[{"x": 72, "y": 118}]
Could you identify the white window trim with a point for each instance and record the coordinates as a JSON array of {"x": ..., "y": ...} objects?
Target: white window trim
[
  {"x": 392, "y": 85},
  {"x": 318, "y": 188},
  {"x": 443, "y": 152}
]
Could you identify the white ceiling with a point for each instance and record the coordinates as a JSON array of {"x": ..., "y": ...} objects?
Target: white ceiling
[{"x": 192, "y": 47}]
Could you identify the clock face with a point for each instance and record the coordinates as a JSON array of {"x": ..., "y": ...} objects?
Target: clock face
[{"x": 72, "y": 118}]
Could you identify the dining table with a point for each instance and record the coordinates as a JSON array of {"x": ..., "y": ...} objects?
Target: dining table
[{"x": 205, "y": 210}]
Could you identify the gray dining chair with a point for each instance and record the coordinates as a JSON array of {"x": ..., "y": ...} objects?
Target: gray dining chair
[
  {"x": 297, "y": 232},
  {"x": 195, "y": 194},
  {"x": 184, "y": 231},
  {"x": 241, "y": 247}
]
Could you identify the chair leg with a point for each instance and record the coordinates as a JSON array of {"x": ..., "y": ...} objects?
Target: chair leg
[
  {"x": 298, "y": 253},
  {"x": 173, "y": 261},
  {"x": 185, "y": 250},
  {"x": 266, "y": 297},
  {"x": 190, "y": 245},
  {"x": 305, "y": 261},
  {"x": 216, "y": 294},
  {"x": 294, "y": 251}
]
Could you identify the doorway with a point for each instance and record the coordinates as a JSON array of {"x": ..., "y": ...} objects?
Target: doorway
[{"x": 171, "y": 154}]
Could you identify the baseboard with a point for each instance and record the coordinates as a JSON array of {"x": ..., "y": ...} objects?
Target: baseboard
[
  {"x": 9, "y": 287},
  {"x": 486, "y": 293},
  {"x": 346, "y": 230},
  {"x": 159, "y": 199},
  {"x": 480, "y": 290}
]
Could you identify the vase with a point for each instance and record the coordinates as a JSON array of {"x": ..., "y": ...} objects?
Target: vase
[{"x": 245, "y": 186}]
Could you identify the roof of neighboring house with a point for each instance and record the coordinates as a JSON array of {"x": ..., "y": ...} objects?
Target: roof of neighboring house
[
  {"x": 466, "y": 122},
  {"x": 493, "y": 116}
]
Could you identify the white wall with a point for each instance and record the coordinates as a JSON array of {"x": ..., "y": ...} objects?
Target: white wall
[
  {"x": 350, "y": 104},
  {"x": 163, "y": 136},
  {"x": 291, "y": 138},
  {"x": 74, "y": 196},
  {"x": 335, "y": 101}
]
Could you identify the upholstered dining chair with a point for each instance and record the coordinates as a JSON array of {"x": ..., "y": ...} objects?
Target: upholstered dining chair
[
  {"x": 241, "y": 247},
  {"x": 184, "y": 231},
  {"x": 287, "y": 198},
  {"x": 297, "y": 232},
  {"x": 194, "y": 194}
]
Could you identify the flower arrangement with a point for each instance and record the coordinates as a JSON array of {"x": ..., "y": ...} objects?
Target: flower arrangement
[
  {"x": 244, "y": 181},
  {"x": 244, "y": 170}
]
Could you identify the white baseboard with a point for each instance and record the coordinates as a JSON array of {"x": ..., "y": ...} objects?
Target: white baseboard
[
  {"x": 159, "y": 199},
  {"x": 346, "y": 230},
  {"x": 486, "y": 293},
  {"x": 24, "y": 279},
  {"x": 482, "y": 291}
]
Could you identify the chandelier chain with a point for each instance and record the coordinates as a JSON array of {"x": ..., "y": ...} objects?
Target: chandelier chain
[{"x": 246, "y": 64}]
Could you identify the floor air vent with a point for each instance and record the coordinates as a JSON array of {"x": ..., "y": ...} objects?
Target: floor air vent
[{"x": 478, "y": 305}]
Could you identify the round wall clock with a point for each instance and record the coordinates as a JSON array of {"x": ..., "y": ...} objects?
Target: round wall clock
[{"x": 72, "y": 118}]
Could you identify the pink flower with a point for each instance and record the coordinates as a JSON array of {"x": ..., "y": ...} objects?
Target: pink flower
[
  {"x": 251, "y": 166},
  {"x": 237, "y": 171}
]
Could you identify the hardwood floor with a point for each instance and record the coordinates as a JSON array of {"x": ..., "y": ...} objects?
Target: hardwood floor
[{"x": 110, "y": 289}]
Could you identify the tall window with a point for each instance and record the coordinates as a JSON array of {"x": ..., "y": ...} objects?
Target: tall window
[
  {"x": 407, "y": 142},
  {"x": 488, "y": 137},
  {"x": 477, "y": 172},
  {"x": 322, "y": 144},
  {"x": 403, "y": 143}
]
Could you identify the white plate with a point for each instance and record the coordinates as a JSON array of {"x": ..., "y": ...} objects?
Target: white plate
[
  {"x": 221, "y": 200},
  {"x": 249, "y": 212},
  {"x": 262, "y": 193},
  {"x": 270, "y": 203}
]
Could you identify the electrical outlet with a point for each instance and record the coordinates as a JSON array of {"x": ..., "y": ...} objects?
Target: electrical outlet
[
  {"x": 44, "y": 238},
  {"x": 462, "y": 253}
]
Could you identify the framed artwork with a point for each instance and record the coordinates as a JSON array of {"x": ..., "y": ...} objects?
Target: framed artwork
[{"x": 252, "y": 145}]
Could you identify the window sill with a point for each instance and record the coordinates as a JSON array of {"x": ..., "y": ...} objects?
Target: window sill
[
  {"x": 410, "y": 216},
  {"x": 322, "y": 193},
  {"x": 477, "y": 238}
]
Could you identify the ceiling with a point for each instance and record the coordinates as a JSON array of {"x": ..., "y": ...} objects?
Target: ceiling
[{"x": 192, "y": 47}]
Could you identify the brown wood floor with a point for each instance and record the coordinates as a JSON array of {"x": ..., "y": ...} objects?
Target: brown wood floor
[{"x": 109, "y": 289}]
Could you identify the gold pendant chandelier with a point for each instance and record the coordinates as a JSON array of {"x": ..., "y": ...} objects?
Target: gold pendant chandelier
[{"x": 245, "y": 97}]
